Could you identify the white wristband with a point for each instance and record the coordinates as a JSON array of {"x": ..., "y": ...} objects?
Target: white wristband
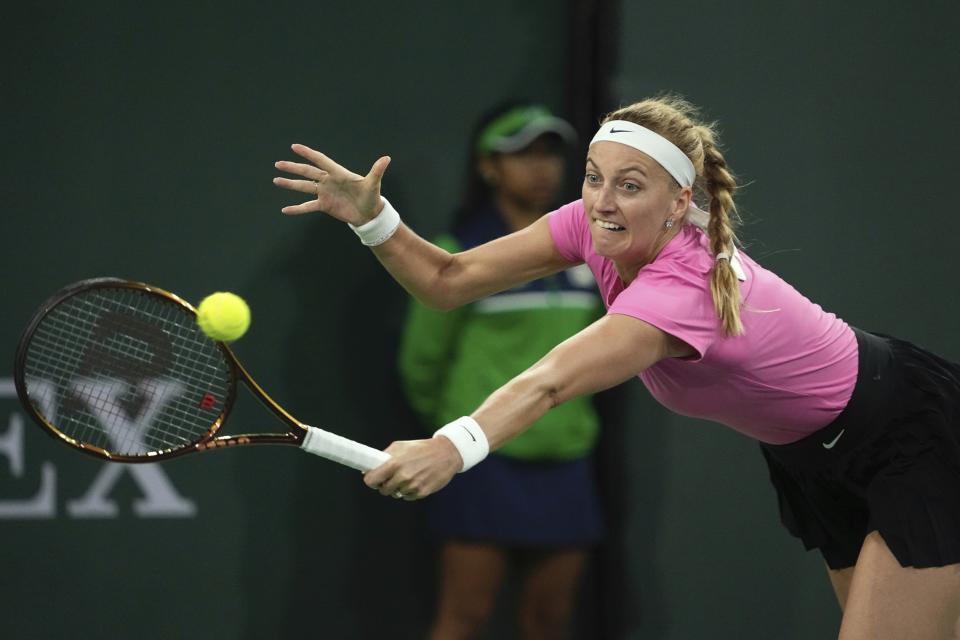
[
  {"x": 469, "y": 439},
  {"x": 381, "y": 228}
]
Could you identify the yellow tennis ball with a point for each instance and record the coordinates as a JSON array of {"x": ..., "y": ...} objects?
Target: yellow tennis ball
[{"x": 223, "y": 316}]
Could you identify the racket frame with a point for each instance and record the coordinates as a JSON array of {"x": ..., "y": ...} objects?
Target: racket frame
[{"x": 210, "y": 440}]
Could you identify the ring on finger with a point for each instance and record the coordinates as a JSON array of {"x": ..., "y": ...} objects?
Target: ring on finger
[{"x": 398, "y": 494}]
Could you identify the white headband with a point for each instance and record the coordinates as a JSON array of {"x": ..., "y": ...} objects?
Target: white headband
[{"x": 667, "y": 154}]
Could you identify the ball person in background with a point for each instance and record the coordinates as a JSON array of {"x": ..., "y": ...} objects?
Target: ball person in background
[
  {"x": 533, "y": 503},
  {"x": 861, "y": 432}
]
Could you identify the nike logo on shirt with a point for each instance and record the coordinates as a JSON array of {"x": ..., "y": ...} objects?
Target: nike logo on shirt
[{"x": 829, "y": 445}]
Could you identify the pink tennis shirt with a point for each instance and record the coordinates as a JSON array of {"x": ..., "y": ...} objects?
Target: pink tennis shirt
[{"x": 790, "y": 373}]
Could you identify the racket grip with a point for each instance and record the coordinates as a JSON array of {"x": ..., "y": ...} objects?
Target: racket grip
[{"x": 343, "y": 450}]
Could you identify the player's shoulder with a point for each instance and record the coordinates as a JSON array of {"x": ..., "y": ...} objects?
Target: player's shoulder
[
  {"x": 574, "y": 208},
  {"x": 570, "y": 217}
]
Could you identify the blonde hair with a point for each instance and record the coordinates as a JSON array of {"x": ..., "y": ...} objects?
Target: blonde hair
[{"x": 678, "y": 121}]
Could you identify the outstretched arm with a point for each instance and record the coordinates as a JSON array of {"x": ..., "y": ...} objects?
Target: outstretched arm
[
  {"x": 608, "y": 352},
  {"x": 435, "y": 277},
  {"x": 443, "y": 280}
]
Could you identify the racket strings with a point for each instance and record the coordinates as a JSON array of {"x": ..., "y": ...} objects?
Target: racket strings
[{"x": 127, "y": 371}]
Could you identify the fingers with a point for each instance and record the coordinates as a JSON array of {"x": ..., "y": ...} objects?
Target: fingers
[
  {"x": 378, "y": 169},
  {"x": 308, "y": 171},
  {"x": 320, "y": 160},
  {"x": 303, "y": 186},
  {"x": 309, "y": 206},
  {"x": 384, "y": 479},
  {"x": 393, "y": 487},
  {"x": 392, "y": 479},
  {"x": 416, "y": 469},
  {"x": 378, "y": 475},
  {"x": 338, "y": 192}
]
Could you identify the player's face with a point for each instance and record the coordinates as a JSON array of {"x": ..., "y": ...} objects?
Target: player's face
[{"x": 628, "y": 197}]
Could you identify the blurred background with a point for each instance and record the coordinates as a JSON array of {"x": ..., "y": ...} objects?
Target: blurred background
[{"x": 139, "y": 141}]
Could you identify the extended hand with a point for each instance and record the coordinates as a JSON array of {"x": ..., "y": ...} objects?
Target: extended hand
[
  {"x": 416, "y": 468},
  {"x": 334, "y": 190}
]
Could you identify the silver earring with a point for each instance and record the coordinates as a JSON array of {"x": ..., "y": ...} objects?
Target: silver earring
[{"x": 669, "y": 223}]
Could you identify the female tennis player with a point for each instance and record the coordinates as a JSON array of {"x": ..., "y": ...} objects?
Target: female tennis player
[{"x": 861, "y": 432}]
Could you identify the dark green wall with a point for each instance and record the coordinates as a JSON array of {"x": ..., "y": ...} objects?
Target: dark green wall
[{"x": 139, "y": 142}]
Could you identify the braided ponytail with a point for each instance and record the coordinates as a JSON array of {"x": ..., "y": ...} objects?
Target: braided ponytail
[
  {"x": 677, "y": 120},
  {"x": 720, "y": 185}
]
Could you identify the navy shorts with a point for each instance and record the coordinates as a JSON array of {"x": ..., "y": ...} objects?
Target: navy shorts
[
  {"x": 890, "y": 462},
  {"x": 518, "y": 503}
]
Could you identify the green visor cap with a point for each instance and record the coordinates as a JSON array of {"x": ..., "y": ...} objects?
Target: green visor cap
[{"x": 517, "y": 128}]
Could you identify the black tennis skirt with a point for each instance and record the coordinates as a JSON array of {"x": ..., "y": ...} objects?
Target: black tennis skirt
[{"x": 890, "y": 462}]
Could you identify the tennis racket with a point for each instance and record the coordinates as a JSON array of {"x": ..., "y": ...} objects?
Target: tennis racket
[{"x": 120, "y": 370}]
